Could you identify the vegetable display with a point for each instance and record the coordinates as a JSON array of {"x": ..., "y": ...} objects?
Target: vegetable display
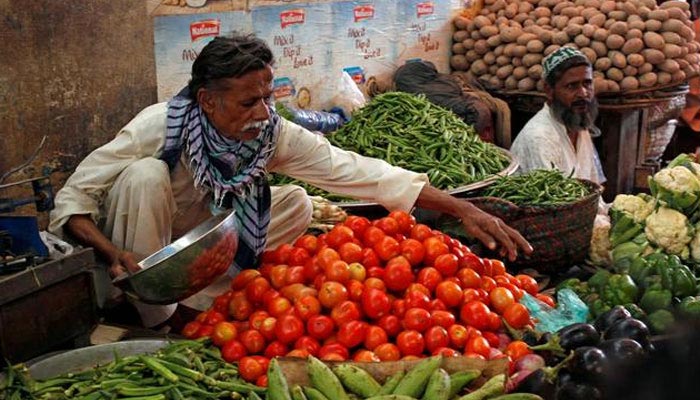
[
  {"x": 632, "y": 44},
  {"x": 542, "y": 187},
  {"x": 183, "y": 369},
  {"x": 408, "y": 131}
]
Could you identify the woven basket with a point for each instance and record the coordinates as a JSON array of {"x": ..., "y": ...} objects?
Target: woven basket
[{"x": 560, "y": 235}]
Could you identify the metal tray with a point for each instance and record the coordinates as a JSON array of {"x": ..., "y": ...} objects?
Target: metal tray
[{"x": 358, "y": 206}]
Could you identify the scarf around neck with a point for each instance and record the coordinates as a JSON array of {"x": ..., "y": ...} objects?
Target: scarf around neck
[{"x": 234, "y": 171}]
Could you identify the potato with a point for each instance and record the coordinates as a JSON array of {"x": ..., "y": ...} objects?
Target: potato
[
  {"x": 615, "y": 42},
  {"x": 629, "y": 83},
  {"x": 613, "y": 86},
  {"x": 459, "y": 36},
  {"x": 560, "y": 21},
  {"x": 602, "y": 64},
  {"x": 615, "y": 74},
  {"x": 551, "y": 49},
  {"x": 535, "y": 46},
  {"x": 488, "y": 31},
  {"x": 542, "y": 12},
  {"x": 481, "y": 21},
  {"x": 573, "y": 30},
  {"x": 535, "y": 72},
  {"x": 635, "y": 34},
  {"x": 511, "y": 10},
  {"x": 597, "y": 20},
  {"x": 519, "y": 51},
  {"x": 526, "y": 84},
  {"x": 686, "y": 33},
  {"x": 517, "y": 61},
  {"x": 544, "y": 21},
  {"x": 559, "y": 6},
  {"x": 638, "y": 26},
  {"x": 600, "y": 85},
  {"x": 560, "y": 38},
  {"x": 590, "y": 54},
  {"x": 630, "y": 71},
  {"x": 520, "y": 72},
  {"x": 635, "y": 60},
  {"x": 653, "y": 25},
  {"x": 653, "y": 56},
  {"x": 510, "y": 34},
  {"x": 589, "y": 12},
  {"x": 677, "y": 13},
  {"x": 472, "y": 56},
  {"x": 475, "y": 35},
  {"x": 511, "y": 83},
  {"x": 618, "y": 59},
  {"x": 504, "y": 71},
  {"x": 632, "y": 46},
  {"x": 672, "y": 51},
  {"x": 678, "y": 76},
  {"x": 469, "y": 44},
  {"x": 643, "y": 11},
  {"x": 659, "y": 15},
  {"x": 600, "y": 34},
  {"x": 570, "y": 12},
  {"x": 458, "y": 48},
  {"x": 591, "y": 4},
  {"x": 502, "y": 60},
  {"x": 524, "y": 8},
  {"x": 648, "y": 80},
  {"x": 651, "y": 4},
  {"x": 526, "y": 38},
  {"x": 683, "y": 63},
  {"x": 617, "y": 15},
  {"x": 599, "y": 47},
  {"x": 522, "y": 17},
  {"x": 498, "y": 50},
  {"x": 494, "y": 41},
  {"x": 582, "y": 41},
  {"x": 672, "y": 38},
  {"x": 653, "y": 40},
  {"x": 461, "y": 22},
  {"x": 607, "y": 6},
  {"x": 670, "y": 66},
  {"x": 495, "y": 83},
  {"x": 672, "y": 25},
  {"x": 618, "y": 28},
  {"x": 645, "y": 68},
  {"x": 675, "y": 4},
  {"x": 577, "y": 20},
  {"x": 588, "y": 30},
  {"x": 459, "y": 62},
  {"x": 489, "y": 58},
  {"x": 492, "y": 69},
  {"x": 545, "y": 36},
  {"x": 663, "y": 78},
  {"x": 508, "y": 50},
  {"x": 540, "y": 85},
  {"x": 481, "y": 47},
  {"x": 532, "y": 59},
  {"x": 628, "y": 7}
]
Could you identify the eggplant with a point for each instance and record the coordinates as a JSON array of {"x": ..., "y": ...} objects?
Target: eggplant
[
  {"x": 608, "y": 318},
  {"x": 574, "y": 390},
  {"x": 630, "y": 328},
  {"x": 588, "y": 363},
  {"x": 538, "y": 382},
  {"x": 623, "y": 352},
  {"x": 578, "y": 335}
]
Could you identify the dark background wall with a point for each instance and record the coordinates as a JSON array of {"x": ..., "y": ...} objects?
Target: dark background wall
[{"x": 75, "y": 71}]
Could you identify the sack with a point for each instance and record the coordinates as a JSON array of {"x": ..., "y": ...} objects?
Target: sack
[{"x": 348, "y": 97}]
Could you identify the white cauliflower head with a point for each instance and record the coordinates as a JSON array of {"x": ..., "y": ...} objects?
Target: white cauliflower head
[
  {"x": 635, "y": 206},
  {"x": 599, "y": 252},
  {"x": 669, "y": 229},
  {"x": 695, "y": 246},
  {"x": 679, "y": 179}
]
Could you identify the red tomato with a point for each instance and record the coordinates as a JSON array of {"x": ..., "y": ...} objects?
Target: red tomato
[
  {"x": 387, "y": 248},
  {"x": 475, "y": 313},
  {"x": 369, "y": 259},
  {"x": 429, "y": 277},
  {"x": 352, "y": 333},
  {"x": 494, "y": 321},
  {"x": 375, "y": 283},
  {"x": 350, "y": 252},
  {"x": 413, "y": 250},
  {"x": 447, "y": 352},
  {"x": 469, "y": 278},
  {"x": 268, "y": 327},
  {"x": 398, "y": 276},
  {"x": 262, "y": 381},
  {"x": 233, "y": 351},
  {"x": 375, "y": 303},
  {"x": 345, "y": 312},
  {"x": 389, "y": 225},
  {"x": 312, "y": 269},
  {"x": 372, "y": 236},
  {"x": 308, "y": 243},
  {"x": 417, "y": 299},
  {"x": 516, "y": 291},
  {"x": 190, "y": 329},
  {"x": 437, "y": 304},
  {"x": 398, "y": 307},
  {"x": 275, "y": 349},
  {"x": 405, "y": 220},
  {"x": 449, "y": 293},
  {"x": 338, "y": 235},
  {"x": 214, "y": 317},
  {"x": 417, "y": 319},
  {"x": 338, "y": 271},
  {"x": 327, "y": 256},
  {"x": 253, "y": 341},
  {"x": 410, "y": 343},
  {"x": 479, "y": 345},
  {"x": 279, "y": 306},
  {"x": 298, "y": 256},
  {"x": 516, "y": 315},
  {"x": 309, "y": 344},
  {"x": 307, "y": 307},
  {"x": 223, "y": 333},
  {"x": 355, "y": 289},
  {"x": 357, "y": 224},
  {"x": 298, "y": 353},
  {"x": 256, "y": 319},
  {"x": 320, "y": 327},
  {"x": 387, "y": 352},
  {"x": 446, "y": 264},
  {"x": 493, "y": 339},
  {"x": 458, "y": 336},
  {"x": 420, "y": 232},
  {"x": 294, "y": 275},
  {"x": 375, "y": 337},
  {"x": 472, "y": 261},
  {"x": 434, "y": 247},
  {"x": 546, "y": 299},
  {"x": 333, "y": 348},
  {"x": 256, "y": 289},
  {"x": 358, "y": 272},
  {"x": 435, "y": 338},
  {"x": 516, "y": 349},
  {"x": 501, "y": 298},
  {"x": 488, "y": 283},
  {"x": 243, "y": 278},
  {"x": 391, "y": 325},
  {"x": 221, "y": 302},
  {"x": 250, "y": 369},
  {"x": 365, "y": 356},
  {"x": 332, "y": 293},
  {"x": 289, "y": 328},
  {"x": 442, "y": 318},
  {"x": 497, "y": 267}
]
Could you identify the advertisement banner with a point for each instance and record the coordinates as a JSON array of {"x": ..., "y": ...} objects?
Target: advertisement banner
[{"x": 425, "y": 32}]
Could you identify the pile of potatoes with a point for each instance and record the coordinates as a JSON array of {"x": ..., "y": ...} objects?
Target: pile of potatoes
[{"x": 632, "y": 44}]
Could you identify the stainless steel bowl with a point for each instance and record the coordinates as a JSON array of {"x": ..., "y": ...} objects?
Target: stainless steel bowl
[{"x": 186, "y": 266}]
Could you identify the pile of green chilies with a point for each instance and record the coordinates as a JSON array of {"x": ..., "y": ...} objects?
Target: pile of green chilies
[
  {"x": 540, "y": 187},
  {"x": 181, "y": 370},
  {"x": 408, "y": 131}
]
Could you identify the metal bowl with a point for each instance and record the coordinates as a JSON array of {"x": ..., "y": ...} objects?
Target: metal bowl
[{"x": 186, "y": 266}]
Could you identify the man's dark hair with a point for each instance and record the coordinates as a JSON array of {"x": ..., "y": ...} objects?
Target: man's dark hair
[
  {"x": 228, "y": 57},
  {"x": 555, "y": 75}
]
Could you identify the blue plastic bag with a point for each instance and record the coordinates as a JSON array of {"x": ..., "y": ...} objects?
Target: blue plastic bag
[{"x": 570, "y": 310}]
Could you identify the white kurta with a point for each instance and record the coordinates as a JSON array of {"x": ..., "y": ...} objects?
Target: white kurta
[
  {"x": 141, "y": 205},
  {"x": 543, "y": 141}
]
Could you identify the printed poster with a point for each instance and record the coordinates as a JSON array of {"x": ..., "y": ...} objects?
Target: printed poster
[{"x": 425, "y": 32}]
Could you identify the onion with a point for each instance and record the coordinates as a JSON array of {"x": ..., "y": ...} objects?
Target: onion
[{"x": 529, "y": 362}]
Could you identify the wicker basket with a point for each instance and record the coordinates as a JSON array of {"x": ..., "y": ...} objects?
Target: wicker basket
[{"x": 560, "y": 235}]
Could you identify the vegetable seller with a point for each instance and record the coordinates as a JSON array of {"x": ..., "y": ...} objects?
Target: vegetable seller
[
  {"x": 559, "y": 135},
  {"x": 209, "y": 149}
]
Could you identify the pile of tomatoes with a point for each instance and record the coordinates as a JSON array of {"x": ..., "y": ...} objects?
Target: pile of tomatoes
[{"x": 380, "y": 290}]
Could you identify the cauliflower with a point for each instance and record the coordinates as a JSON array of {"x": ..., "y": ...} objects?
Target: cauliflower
[
  {"x": 599, "y": 252},
  {"x": 695, "y": 246},
  {"x": 670, "y": 230},
  {"x": 638, "y": 207},
  {"x": 677, "y": 186}
]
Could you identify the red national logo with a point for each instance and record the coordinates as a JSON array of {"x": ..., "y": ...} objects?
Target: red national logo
[
  {"x": 363, "y": 12},
  {"x": 206, "y": 28},
  {"x": 292, "y": 17},
  {"x": 426, "y": 8}
]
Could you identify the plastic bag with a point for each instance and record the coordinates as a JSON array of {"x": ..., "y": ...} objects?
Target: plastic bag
[
  {"x": 317, "y": 121},
  {"x": 570, "y": 310},
  {"x": 348, "y": 97}
]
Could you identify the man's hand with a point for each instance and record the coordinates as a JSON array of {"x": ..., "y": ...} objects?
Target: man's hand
[
  {"x": 123, "y": 261},
  {"x": 486, "y": 228}
]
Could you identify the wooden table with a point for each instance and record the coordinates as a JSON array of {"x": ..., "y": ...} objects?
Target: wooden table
[
  {"x": 623, "y": 121},
  {"x": 47, "y": 307}
]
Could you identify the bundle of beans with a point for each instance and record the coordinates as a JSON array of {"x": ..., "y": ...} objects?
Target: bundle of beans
[{"x": 632, "y": 44}]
